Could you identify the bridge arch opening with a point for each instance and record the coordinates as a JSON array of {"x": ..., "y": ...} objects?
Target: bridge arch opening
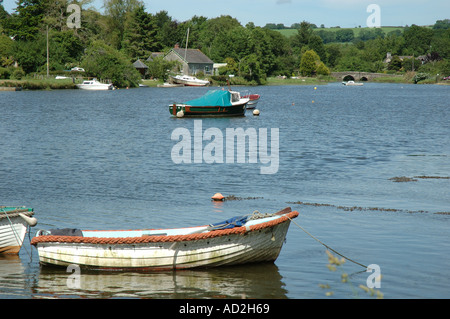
[
  {"x": 364, "y": 79},
  {"x": 348, "y": 78}
]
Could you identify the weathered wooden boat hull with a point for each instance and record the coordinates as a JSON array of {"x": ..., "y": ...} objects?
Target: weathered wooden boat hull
[
  {"x": 250, "y": 243},
  {"x": 205, "y": 111},
  {"x": 13, "y": 229},
  {"x": 12, "y": 235}
]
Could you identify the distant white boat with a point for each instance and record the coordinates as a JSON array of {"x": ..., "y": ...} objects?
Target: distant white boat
[
  {"x": 352, "y": 83},
  {"x": 169, "y": 85},
  {"x": 94, "y": 85},
  {"x": 187, "y": 80}
]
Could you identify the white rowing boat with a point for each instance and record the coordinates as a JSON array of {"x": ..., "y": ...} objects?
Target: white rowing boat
[{"x": 244, "y": 239}]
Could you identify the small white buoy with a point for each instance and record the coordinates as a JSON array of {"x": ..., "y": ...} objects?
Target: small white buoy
[
  {"x": 256, "y": 112},
  {"x": 180, "y": 113}
]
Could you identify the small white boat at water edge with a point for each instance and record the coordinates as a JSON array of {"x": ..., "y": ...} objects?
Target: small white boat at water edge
[
  {"x": 94, "y": 85},
  {"x": 244, "y": 239},
  {"x": 14, "y": 222},
  {"x": 352, "y": 83}
]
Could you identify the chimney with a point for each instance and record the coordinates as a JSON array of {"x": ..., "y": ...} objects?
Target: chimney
[{"x": 177, "y": 46}]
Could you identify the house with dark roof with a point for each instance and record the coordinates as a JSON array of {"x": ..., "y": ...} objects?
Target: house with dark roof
[
  {"x": 155, "y": 55},
  {"x": 141, "y": 67},
  {"x": 192, "y": 61}
]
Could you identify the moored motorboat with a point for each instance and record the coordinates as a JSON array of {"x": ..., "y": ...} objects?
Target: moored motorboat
[
  {"x": 14, "y": 223},
  {"x": 188, "y": 80},
  {"x": 94, "y": 85},
  {"x": 243, "y": 239},
  {"x": 213, "y": 103},
  {"x": 253, "y": 100},
  {"x": 352, "y": 83}
]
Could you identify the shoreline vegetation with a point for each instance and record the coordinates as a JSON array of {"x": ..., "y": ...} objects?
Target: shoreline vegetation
[
  {"x": 124, "y": 44},
  {"x": 60, "y": 84}
]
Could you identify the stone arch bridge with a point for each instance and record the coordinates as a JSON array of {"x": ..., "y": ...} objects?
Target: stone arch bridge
[{"x": 359, "y": 76}]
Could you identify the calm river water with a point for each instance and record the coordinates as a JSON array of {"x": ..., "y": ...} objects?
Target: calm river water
[{"x": 103, "y": 160}]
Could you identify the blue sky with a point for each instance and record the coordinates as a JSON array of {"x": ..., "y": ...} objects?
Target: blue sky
[{"x": 344, "y": 13}]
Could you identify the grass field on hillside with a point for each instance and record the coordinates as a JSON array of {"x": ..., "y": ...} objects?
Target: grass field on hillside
[{"x": 356, "y": 31}]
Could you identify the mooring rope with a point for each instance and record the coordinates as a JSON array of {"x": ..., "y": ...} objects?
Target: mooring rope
[
  {"x": 242, "y": 230},
  {"x": 355, "y": 262}
]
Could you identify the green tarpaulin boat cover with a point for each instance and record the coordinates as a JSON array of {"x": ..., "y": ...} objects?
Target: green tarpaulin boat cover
[{"x": 212, "y": 98}]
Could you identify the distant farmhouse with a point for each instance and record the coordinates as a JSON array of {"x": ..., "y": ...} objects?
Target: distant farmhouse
[
  {"x": 389, "y": 56},
  {"x": 192, "y": 61}
]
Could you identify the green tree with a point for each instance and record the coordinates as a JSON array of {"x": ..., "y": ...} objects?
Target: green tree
[
  {"x": 311, "y": 65},
  {"x": 345, "y": 35},
  {"x": 3, "y": 14},
  {"x": 395, "y": 64},
  {"x": 442, "y": 24},
  {"x": 31, "y": 54},
  {"x": 351, "y": 59},
  {"x": 217, "y": 32},
  {"x": 231, "y": 68},
  {"x": 251, "y": 69},
  {"x": 326, "y": 35},
  {"x": 6, "y": 51},
  {"x": 418, "y": 39},
  {"x": 411, "y": 64},
  {"x": 441, "y": 43},
  {"x": 117, "y": 12},
  {"x": 26, "y": 22},
  {"x": 333, "y": 54},
  {"x": 139, "y": 34},
  {"x": 316, "y": 43},
  {"x": 303, "y": 35},
  {"x": 103, "y": 61},
  {"x": 167, "y": 35},
  {"x": 157, "y": 67},
  {"x": 65, "y": 48}
]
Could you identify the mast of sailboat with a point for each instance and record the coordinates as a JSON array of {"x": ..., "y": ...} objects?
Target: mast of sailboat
[
  {"x": 187, "y": 40},
  {"x": 47, "y": 55}
]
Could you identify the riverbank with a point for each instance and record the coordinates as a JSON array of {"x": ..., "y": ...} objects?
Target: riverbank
[
  {"x": 54, "y": 84},
  {"x": 39, "y": 84}
]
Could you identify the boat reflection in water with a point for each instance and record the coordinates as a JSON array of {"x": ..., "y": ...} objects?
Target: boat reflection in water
[
  {"x": 262, "y": 281},
  {"x": 12, "y": 276}
]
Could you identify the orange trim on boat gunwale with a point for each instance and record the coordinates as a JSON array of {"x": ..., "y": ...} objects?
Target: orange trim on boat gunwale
[{"x": 155, "y": 239}]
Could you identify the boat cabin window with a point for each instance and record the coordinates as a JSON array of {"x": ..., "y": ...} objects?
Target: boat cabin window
[{"x": 234, "y": 97}]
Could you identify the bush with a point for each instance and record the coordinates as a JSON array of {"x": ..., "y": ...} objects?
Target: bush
[
  {"x": 420, "y": 77},
  {"x": 4, "y": 73},
  {"x": 17, "y": 74},
  {"x": 106, "y": 63}
]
